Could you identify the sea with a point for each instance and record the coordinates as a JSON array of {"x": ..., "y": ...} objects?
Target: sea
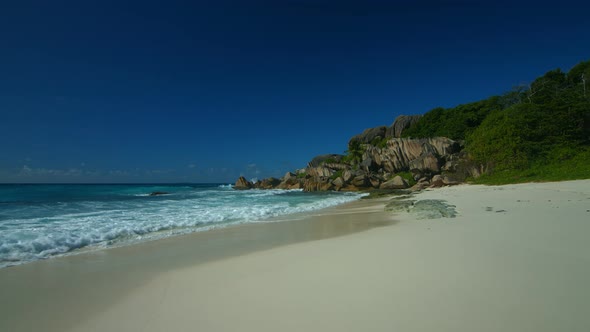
[{"x": 39, "y": 221}]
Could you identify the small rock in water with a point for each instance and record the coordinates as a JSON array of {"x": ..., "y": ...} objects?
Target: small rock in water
[{"x": 158, "y": 193}]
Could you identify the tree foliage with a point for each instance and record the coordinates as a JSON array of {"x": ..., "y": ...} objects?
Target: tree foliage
[
  {"x": 506, "y": 138},
  {"x": 456, "y": 122},
  {"x": 546, "y": 121},
  {"x": 355, "y": 151}
]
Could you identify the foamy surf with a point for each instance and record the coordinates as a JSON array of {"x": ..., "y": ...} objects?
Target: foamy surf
[{"x": 42, "y": 221}]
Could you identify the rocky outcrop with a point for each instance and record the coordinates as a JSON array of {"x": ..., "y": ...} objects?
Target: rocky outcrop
[
  {"x": 325, "y": 158},
  {"x": 437, "y": 181},
  {"x": 396, "y": 183},
  {"x": 339, "y": 183},
  {"x": 290, "y": 181},
  {"x": 269, "y": 183},
  {"x": 458, "y": 167},
  {"x": 320, "y": 171},
  {"x": 360, "y": 181},
  {"x": 378, "y": 168},
  {"x": 376, "y": 158},
  {"x": 423, "y": 183},
  {"x": 401, "y": 123},
  {"x": 369, "y": 135},
  {"x": 347, "y": 175},
  {"x": 318, "y": 184},
  {"x": 404, "y": 154},
  {"x": 242, "y": 184}
]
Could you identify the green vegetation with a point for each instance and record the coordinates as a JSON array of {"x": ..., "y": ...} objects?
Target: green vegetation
[
  {"x": 354, "y": 154},
  {"x": 535, "y": 133},
  {"x": 329, "y": 161},
  {"x": 379, "y": 142},
  {"x": 336, "y": 175},
  {"x": 408, "y": 177},
  {"x": 301, "y": 175},
  {"x": 574, "y": 168},
  {"x": 454, "y": 123}
]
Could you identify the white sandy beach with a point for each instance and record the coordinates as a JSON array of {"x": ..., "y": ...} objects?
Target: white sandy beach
[{"x": 516, "y": 258}]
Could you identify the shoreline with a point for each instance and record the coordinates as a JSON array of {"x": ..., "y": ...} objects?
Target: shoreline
[
  {"x": 515, "y": 258},
  {"x": 108, "y": 274},
  {"x": 163, "y": 234}
]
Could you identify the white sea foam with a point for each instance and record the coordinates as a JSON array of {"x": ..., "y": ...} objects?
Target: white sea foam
[{"x": 59, "y": 228}]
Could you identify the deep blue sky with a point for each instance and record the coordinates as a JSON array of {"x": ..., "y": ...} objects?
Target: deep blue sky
[{"x": 203, "y": 91}]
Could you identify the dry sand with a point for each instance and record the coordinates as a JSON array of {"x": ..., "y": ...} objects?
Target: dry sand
[{"x": 516, "y": 258}]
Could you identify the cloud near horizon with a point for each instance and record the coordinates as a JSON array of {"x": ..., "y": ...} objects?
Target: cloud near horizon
[
  {"x": 192, "y": 173},
  {"x": 28, "y": 174}
]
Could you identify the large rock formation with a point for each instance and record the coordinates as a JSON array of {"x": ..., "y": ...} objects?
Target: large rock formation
[
  {"x": 242, "y": 184},
  {"x": 325, "y": 158},
  {"x": 291, "y": 181},
  {"x": 379, "y": 156},
  {"x": 404, "y": 154},
  {"x": 269, "y": 183},
  {"x": 396, "y": 183},
  {"x": 369, "y": 135},
  {"x": 401, "y": 123}
]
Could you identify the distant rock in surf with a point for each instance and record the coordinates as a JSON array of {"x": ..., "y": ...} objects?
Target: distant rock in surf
[
  {"x": 242, "y": 184},
  {"x": 158, "y": 193}
]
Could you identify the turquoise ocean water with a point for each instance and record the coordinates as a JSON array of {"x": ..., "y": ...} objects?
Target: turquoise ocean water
[{"x": 41, "y": 221}]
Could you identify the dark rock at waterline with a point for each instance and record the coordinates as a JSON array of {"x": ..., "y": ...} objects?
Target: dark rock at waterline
[
  {"x": 339, "y": 182},
  {"x": 396, "y": 183},
  {"x": 269, "y": 183},
  {"x": 318, "y": 184},
  {"x": 360, "y": 181},
  {"x": 242, "y": 184},
  {"x": 158, "y": 193}
]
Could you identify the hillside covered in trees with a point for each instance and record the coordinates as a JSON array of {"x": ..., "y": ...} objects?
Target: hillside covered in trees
[{"x": 535, "y": 132}]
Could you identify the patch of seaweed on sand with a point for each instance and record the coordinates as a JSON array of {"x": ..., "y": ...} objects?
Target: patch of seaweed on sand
[{"x": 422, "y": 209}]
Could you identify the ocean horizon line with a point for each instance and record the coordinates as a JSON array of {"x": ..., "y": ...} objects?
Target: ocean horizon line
[{"x": 111, "y": 183}]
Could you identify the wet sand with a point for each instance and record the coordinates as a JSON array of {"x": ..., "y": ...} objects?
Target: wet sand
[
  {"x": 61, "y": 293},
  {"x": 516, "y": 258}
]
